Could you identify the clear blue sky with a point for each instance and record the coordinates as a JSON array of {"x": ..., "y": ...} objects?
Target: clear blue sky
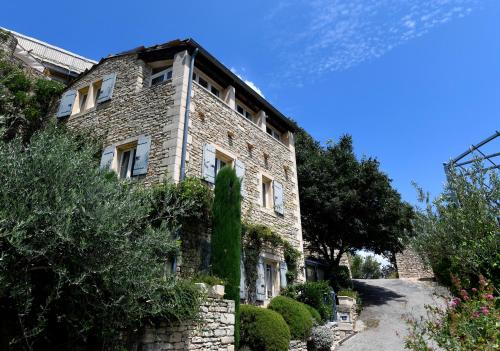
[{"x": 415, "y": 82}]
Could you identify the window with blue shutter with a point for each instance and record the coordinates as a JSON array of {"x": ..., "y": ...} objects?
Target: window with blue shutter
[
  {"x": 107, "y": 157},
  {"x": 208, "y": 167},
  {"x": 260, "y": 285},
  {"x": 240, "y": 173},
  {"x": 278, "y": 197},
  {"x": 283, "y": 270},
  {"x": 142, "y": 156},
  {"x": 66, "y": 104},
  {"x": 107, "y": 87}
]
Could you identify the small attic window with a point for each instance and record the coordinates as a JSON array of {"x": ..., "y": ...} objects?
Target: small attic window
[{"x": 160, "y": 75}]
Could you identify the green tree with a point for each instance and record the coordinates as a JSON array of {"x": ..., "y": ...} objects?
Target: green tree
[
  {"x": 347, "y": 204},
  {"x": 365, "y": 267},
  {"x": 79, "y": 261},
  {"x": 458, "y": 231},
  {"x": 226, "y": 237}
]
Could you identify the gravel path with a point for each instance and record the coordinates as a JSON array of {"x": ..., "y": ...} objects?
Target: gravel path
[{"x": 386, "y": 302}]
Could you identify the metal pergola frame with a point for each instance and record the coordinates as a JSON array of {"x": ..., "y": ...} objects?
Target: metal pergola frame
[{"x": 477, "y": 154}]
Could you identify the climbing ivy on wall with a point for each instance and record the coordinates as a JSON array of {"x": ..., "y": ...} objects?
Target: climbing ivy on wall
[{"x": 256, "y": 237}]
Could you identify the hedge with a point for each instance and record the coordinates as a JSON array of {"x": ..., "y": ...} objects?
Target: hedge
[
  {"x": 314, "y": 314},
  {"x": 263, "y": 329},
  {"x": 295, "y": 314},
  {"x": 315, "y": 294}
]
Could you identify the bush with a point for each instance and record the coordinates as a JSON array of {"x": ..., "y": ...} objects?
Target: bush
[
  {"x": 226, "y": 236},
  {"x": 314, "y": 314},
  {"x": 80, "y": 262},
  {"x": 322, "y": 338},
  {"x": 458, "y": 232},
  {"x": 469, "y": 322},
  {"x": 262, "y": 329},
  {"x": 295, "y": 314},
  {"x": 315, "y": 294},
  {"x": 341, "y": 279}
]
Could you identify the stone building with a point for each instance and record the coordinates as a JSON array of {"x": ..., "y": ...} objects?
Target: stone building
[{"x": 137, "y": 103}]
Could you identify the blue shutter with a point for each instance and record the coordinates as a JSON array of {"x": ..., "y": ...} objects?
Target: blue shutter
[
  {"x": 243, "y": 288},
  {"x": 208, "y": 167},
  {"x": 278, "y": 197},
  {"x": 283, "y": 270},
  {"x": 107, "y": 157},
  {"x": 66, "y": 104},
  {"x": 142, "y": 156},
  {"x": 107, "y": 87},
  {"x": 240, "y": 173},
  {"x": 260, "y": 284}
]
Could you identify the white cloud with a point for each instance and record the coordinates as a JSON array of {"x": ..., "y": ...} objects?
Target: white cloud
[
  {"x": 248, "y": 82},
  {"x": 320, "y": 36}
]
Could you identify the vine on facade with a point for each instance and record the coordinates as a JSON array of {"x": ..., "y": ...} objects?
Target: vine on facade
[{"x": 256, "y": 237}]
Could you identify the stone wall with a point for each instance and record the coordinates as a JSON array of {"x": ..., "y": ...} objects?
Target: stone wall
[
  {"x": 297, "y": 345},
  {"x": 134, "y": 110},
  {"x": 213, "y": 121},
  {"x": 213, "y": 331},
  {"x": 411, "y": 266}
]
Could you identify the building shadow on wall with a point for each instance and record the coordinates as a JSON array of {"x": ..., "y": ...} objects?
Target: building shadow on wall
[{"x": 372, "y": 295}]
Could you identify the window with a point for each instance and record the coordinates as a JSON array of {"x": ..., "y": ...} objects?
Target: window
[
  {"x": 273, "y": 132},
  {"x": 206, "y": 84},
  {"x": 219, "y": 164},
  {"x": 96, "y": 87},
  {"x": 269, "y": 281},
  {"x": 126, "y": 162},
  {"x": 244, "y": 112},
  {"x": 160, "y": 75},
  {"x": 267, "y": 200},
  {"x": 82, "y": 99}
]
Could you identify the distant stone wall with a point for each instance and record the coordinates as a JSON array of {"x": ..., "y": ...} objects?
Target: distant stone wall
[
  {"x": 297, "y": 345},
  {"x": 411, "y": 266},
  {"x": 214, "y": 330}
]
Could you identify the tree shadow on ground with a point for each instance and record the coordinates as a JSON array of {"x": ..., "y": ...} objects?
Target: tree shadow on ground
[{"x": 376, "y": 295}]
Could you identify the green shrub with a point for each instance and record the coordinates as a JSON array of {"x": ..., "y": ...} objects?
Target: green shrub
[
  {"x": 208, "y": 279},
  {"x": 341, "y": 279},
  {"x": 314, "y": 314},
  {"x": 295, "y": 314},
  {"x": 322, "y": 338},
  {"x": 468, "y": 322},
  {"x": 348, "y": 292},
  {"x": 315, "y": 294},
  {"x": 263, "y": 329},
  {"x": 80, "y": 262},
  {"x": 226, "y": 236}
]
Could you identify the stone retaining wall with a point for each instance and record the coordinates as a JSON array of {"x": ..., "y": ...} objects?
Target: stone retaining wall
[
  {"x": 411, "y": 266},
  {"x": 213, "y": 331},
  {"x": 297, "y": 345}
]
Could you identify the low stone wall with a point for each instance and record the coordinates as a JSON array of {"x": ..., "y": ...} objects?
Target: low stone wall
[
  {"x": 411, "y": 266},
  {"x": 297, "y": 345},
  {"x": 214, "y": 330}
]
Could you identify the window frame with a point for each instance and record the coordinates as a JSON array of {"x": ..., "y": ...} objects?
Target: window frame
[
  {"x": 121, "y": 151},
  {"x": 276, "y": 134},
  {"x": 210, "y": 85},
  {"x": 166, "y": 74},
  {"x": 266, "y": 192},
  {"x": 247, "y": 113}
]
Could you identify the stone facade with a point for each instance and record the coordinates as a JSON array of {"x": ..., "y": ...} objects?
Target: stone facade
[
  {"x": 214, "y": 330},
  {"x": 297, "y": 345},
  {"x": 137, "y": 111},
  {"x": 214, "y": 121},
  {"x": 134, "y": 110},
  {"x": 411, "y": 266}
]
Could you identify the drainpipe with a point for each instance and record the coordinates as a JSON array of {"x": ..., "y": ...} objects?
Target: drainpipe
[{"x": 186, "y": 116}]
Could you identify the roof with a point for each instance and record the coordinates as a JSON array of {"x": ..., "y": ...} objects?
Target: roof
[
  {"x": 51, "y": 54},
  {"x": 210, "y": 63}
]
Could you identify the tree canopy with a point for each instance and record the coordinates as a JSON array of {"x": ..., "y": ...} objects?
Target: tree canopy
[
  {"x": 80, "y": 262},
  {"x": 347, "y": 203}
]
